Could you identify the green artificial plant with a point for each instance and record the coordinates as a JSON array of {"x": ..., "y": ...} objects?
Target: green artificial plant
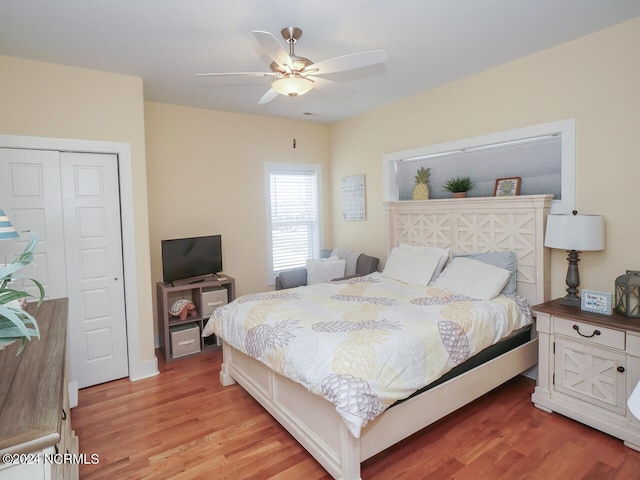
[
  {"x": 459, "y": 184},
  {"x": 15, "y": 322}
]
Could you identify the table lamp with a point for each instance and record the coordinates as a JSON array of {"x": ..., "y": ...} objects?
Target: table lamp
[
  {"x": 574, "y": 233},
  {"x": 7, "y": 230}
]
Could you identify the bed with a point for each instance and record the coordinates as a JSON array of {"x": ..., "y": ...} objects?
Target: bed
[{"x": 465, "y": 226}]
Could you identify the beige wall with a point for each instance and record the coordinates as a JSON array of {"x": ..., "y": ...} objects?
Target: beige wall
[
  {"x": 45, "y": 100},
  {"x": 595, "y": 79},
  {"x": 205, "y": 168},
  {"x": 206, "y": 177}
]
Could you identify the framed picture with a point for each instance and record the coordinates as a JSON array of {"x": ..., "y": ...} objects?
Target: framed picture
[
  {"x": 353, "y": 198},
  {"x": 507, "y": 187},
  {"x": 596, "y": 302}
]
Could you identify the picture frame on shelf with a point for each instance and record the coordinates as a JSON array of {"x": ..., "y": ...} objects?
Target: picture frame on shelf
[
  {"x": 595, "y": 302},
  {"x": 507, "y": 187}
]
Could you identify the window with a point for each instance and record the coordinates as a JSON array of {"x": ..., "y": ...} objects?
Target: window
[{"x": 293, "y": 215}]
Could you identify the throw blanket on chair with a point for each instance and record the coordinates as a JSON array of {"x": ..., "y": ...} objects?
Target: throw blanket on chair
[{"x": 350, "y": 258}]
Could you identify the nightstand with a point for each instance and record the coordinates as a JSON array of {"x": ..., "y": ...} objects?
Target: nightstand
[{"x": 588, "y": 365}]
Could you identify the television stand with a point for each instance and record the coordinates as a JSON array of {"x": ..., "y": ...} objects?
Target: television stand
[{"x": 166, "y": 295}]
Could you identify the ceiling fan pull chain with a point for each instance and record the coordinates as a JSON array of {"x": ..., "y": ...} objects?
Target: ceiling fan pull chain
[{"x": 293, "y": 116}]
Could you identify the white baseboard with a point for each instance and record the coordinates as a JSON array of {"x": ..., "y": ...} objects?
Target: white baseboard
[{"x": 145, "y": 370}]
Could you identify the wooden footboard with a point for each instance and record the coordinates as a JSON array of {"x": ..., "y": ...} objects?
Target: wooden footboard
[{"x": 315, "y": 424}]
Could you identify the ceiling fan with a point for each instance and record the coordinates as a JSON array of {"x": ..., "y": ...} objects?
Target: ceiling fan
[{"x": 296, "y": 75}]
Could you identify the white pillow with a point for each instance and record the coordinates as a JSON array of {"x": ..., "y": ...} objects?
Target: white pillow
[
  {"x": 473, "y": 278},
  {"x": 410, "y": 266},
  {"x": 323, "y": 270},
  {"x": 443, "y": 252},
  {"x": 506, "y": 260}
]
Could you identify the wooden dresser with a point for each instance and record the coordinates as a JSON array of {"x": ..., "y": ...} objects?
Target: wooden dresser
[{"x": 35, "y": 421}]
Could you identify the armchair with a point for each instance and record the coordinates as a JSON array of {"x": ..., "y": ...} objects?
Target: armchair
[{"x": 297, "y": 277}]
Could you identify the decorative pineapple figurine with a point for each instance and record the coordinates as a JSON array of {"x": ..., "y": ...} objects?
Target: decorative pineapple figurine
[{"x": 421, "y": 190}]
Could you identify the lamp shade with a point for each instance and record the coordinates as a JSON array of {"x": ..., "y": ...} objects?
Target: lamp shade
[
  {"x": 292, "y": 85},
  {"x": 575, "y": 232},
  {"x": 7, "y": 231}
]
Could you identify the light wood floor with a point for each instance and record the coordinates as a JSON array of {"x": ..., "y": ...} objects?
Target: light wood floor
[{"x": 182, "y": 424}]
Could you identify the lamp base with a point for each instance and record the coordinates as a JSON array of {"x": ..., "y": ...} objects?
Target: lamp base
[
  {"x": 571, "y": 300},
  {"x": 573, "y": 280}
]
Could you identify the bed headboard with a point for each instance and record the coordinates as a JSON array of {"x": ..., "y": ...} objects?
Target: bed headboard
[{"x": 481, "y": 224}]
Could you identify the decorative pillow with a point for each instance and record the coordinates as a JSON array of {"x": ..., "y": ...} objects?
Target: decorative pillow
[
  {"x": 293, "y": 278},
  {"x": 443, "y": 252},
  {"x": 410, "y": 266},
  {"x": 473, "y": 278},
  {"x": 323, "y": 270},
  {"x": 506, "y": 260}
]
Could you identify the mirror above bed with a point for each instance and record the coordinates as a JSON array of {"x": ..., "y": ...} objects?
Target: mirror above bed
[{"x": 541, "y": 157}]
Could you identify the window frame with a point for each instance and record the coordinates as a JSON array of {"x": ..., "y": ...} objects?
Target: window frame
[{"x": 269, "y": 168}]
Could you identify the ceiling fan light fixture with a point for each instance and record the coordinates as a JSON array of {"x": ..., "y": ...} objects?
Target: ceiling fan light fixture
[{"x": 292, "y": 86}]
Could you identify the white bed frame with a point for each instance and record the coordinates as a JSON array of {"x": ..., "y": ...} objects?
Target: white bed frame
[{"x": 469, "y": 225}]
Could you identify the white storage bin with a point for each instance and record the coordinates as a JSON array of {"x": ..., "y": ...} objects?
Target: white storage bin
[
  {"x": 212, "y": 299},
  {"x": 185, "y": 340}
]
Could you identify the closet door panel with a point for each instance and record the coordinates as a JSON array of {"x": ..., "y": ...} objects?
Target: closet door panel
[
  {"x": 93, "y": 249},
  {"x": 30, "y": 196}
]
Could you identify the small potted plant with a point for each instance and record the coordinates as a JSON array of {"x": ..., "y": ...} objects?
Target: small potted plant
[
  {"x": 459, "y": 186},
  {"x": 15, "y": 322}
]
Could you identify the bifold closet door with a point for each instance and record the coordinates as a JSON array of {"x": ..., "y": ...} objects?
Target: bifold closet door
[
  {"x": 93, "y": 252},
  {"x": 71, "y": 202}
]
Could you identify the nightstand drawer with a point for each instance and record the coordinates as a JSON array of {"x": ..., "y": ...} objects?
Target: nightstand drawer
[{"x": 596, "y": 334}]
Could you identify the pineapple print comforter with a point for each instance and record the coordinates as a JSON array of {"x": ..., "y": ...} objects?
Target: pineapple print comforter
[{"x": 366, "y": 342}]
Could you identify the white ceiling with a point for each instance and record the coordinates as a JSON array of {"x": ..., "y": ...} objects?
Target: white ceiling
[{"x": 166, "y": 42}]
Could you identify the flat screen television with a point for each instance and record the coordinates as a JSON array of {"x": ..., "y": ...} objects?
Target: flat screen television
[{"x": 191, "y": 258}]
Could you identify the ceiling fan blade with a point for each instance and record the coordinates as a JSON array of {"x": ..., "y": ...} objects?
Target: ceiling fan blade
[
  {"x": 273, "y": 48},
  {"x": 331, "y": 87},
  {"x": 347, "y": 62},
  {"x": 267, "y": 97},
  {"x": 244, "y": 74}
]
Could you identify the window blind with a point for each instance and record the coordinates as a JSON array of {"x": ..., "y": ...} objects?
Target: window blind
[{"x": 294, "y": 217}]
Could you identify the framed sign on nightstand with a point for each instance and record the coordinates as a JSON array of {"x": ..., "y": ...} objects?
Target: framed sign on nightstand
[{"x": 596, "y": 302}]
